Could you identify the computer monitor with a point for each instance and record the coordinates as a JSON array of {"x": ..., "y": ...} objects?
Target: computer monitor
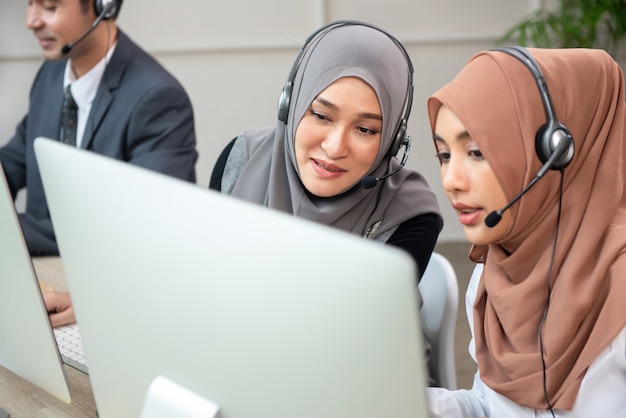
[
  {"x": 27, "y": 344},
  {"x": 252, "y": 309}
]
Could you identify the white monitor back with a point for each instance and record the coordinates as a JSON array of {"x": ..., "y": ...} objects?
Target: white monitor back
[
  {"x": 261, "y": 313},
  {"x": 27, "y": 344}
]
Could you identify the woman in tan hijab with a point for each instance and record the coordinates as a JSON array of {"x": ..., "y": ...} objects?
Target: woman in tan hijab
[{"x": 547, "y": 301}]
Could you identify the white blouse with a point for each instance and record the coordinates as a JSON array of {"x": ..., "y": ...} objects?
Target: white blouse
[{"x": 602, "y": 392}]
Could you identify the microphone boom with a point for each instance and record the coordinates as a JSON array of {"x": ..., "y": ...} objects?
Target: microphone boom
[{"x": 370, "y": 181}]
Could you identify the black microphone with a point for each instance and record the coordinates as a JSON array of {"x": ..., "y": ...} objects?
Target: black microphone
[
  {"x": 107, "y": 8},
  {"x": 370, "y": 181},
  {"x": 494, "y": 217}
]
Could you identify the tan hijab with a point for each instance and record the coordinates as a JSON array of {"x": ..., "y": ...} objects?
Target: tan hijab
[{"x": 496, "y": 98}]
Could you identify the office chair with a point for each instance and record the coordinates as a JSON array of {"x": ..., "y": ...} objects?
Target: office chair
[{"x": 439, "y": 292}]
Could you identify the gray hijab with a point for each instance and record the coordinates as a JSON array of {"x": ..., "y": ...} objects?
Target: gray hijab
[{"x": 269, "y": 175}]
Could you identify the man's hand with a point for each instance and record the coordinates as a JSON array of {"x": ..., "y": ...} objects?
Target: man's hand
[{"x": 60, "y": 309}]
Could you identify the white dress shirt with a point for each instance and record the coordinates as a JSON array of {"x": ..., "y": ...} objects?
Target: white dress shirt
[{"x": 84, "y": 90}]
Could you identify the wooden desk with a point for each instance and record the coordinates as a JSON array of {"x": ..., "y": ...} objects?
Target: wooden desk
[{"x": 20, "y": 398}]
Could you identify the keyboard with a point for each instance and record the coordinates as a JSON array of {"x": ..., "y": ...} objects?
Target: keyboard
[{"x": 71, "y": 346}]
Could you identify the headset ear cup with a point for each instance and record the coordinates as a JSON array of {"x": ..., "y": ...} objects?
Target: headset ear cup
[
  {"x": 398, "y": 140},
  {"x": 284, "y": 101},
  {"x": 546, "y": 142},
  {"x": 99, "y": 5}
]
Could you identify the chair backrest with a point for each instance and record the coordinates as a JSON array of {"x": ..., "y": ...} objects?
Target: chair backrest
[{"x": 439, "y": 292}]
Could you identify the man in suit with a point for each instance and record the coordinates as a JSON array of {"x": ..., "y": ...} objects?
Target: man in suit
[{"x": 128, "y": 106}]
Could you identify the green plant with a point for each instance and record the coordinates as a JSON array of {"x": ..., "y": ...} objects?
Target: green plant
[{"x": 574, "y": 23}]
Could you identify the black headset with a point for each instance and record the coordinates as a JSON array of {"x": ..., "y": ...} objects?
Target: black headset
[
  {"x": 400, "y": 137},
  {"x": 553, "y": 141},
  {"x": 553, "y": 131},
  {"x": 100, "y": 6}
]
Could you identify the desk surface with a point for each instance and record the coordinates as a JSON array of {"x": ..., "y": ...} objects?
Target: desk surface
[{"x": 20, "y": 398}]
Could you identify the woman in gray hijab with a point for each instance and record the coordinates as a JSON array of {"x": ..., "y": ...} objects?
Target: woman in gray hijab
[{"x": 342, "y": 119}]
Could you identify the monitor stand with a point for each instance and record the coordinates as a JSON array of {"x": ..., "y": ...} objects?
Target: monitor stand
[{"x": 167, "y": 399}]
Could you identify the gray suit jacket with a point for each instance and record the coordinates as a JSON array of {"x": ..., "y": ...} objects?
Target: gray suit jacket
[{"x": 141, "y": 114}]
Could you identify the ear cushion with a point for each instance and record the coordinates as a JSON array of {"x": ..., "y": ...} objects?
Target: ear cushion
[{"x": 542, "y": 144}]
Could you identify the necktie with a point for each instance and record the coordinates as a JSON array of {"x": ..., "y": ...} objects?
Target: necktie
[{"x": 69, "y": 118}]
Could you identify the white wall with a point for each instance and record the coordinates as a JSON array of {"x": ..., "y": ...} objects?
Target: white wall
[{"x": 233, "y": 58}]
